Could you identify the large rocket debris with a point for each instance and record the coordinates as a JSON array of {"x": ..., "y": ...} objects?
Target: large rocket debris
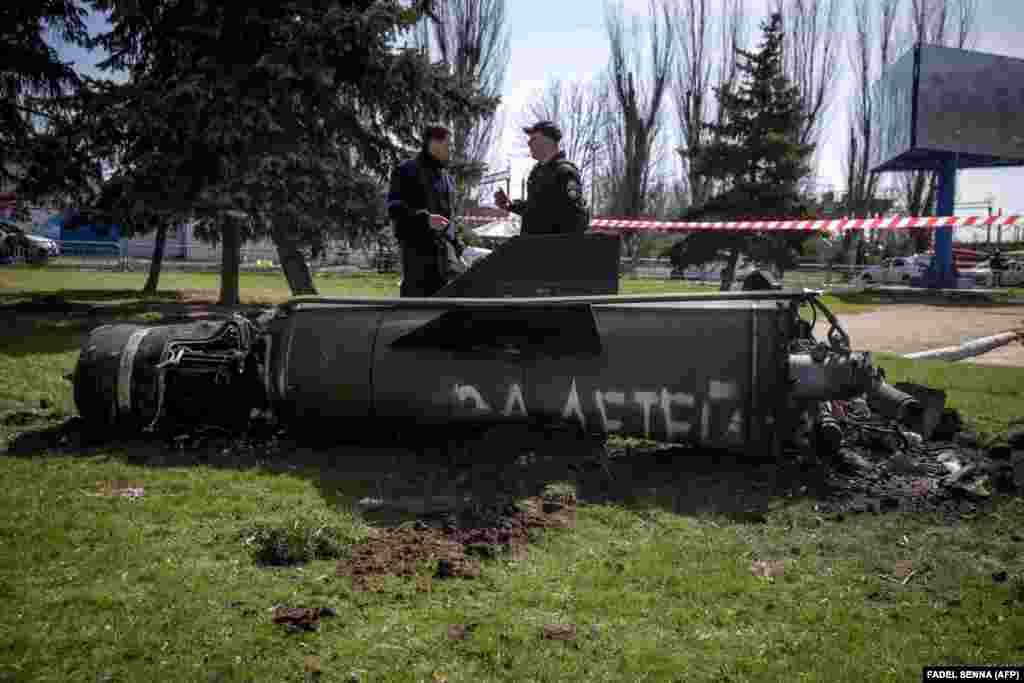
[{"x": 740, "y": 371}]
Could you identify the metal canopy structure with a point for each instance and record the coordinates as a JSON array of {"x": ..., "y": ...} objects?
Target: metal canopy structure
[{"x": 924, "y": 160}]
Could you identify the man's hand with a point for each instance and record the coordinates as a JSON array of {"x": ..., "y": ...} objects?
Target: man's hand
[
  {"x": 438, "y": 222},
  {"x": 501, "y": 200}
]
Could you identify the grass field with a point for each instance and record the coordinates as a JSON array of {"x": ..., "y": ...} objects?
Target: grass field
[
  {"x": 164, "y": 587},
  {"x": 255, "y": 287},
  {"x": 18, "y": 283}
]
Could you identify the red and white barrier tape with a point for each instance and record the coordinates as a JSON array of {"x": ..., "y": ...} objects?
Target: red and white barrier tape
[{"x": 804, "y": 225}]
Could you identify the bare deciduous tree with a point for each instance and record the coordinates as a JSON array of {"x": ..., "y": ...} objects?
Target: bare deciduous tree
[
  {"x": 667, "y": 198},
  {"x": 694, "y": 80},
  {"x": 813, "y": 44},
  {"x": 470, "y": 36},
  {"x": 636, "y": 100},
  {"x": 636, "y": 103},
  {"x": 581, "y": 110},
  {"x": 496, "y": 160},
  {"x": 871, "y": 51}
]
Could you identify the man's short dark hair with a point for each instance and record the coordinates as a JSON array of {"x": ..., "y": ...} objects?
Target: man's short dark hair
[
  {"x": 436, "y": 131},
  {"x": 548, "y": 129}
]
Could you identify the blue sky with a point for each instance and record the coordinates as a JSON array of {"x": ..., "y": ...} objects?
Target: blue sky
[{"x": 566, "y": 39}]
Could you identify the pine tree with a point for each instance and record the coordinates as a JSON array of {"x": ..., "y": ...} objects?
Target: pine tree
[
  {"x": 757, "y": 157},
  {"x": 287, "y": 133},
  {"x": 31, "y": 75}
]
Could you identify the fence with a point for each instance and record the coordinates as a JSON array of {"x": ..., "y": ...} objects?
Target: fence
[
  {"x": 197, "y": 252},
  {"x": 811, "y": 276},
  {"x": 80, "y": 254},
  {"x": 123, "y": 256},
  {"x": 73, "y": 254},
  {"x": 128, "y": 256}
]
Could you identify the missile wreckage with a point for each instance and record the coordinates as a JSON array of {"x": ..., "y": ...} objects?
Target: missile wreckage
[{"x": 534, "y": 333}]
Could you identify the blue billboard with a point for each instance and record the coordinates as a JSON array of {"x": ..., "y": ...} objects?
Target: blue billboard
[
  {"x": 937, "y": 103},
  {"x": 892, "y": 100}
]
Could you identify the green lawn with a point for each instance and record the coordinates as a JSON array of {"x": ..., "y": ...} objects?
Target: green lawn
[
  {"x": 21, "y": 282},
  {"x": 257, "y": 287},
  {"x": 268, "y": 287},
  {"x": 164, "y": 588}
]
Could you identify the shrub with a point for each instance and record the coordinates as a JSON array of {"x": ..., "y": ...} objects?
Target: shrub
[{"x": 297, "y": 541}]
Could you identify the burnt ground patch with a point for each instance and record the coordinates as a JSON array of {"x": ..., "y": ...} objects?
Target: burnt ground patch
[{"x": 440, "y": 485}]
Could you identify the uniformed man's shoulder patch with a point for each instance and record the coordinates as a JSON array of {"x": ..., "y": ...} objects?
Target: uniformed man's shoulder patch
[
  {"x": 572, "y": 188},
  {"x": 566, "y": 166}
]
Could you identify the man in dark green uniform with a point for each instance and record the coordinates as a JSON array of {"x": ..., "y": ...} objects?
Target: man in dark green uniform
[{"x": 554, "y": 203}]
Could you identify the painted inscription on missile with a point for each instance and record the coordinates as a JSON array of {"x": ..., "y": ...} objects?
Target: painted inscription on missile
[{"x": 672, "y": 415}]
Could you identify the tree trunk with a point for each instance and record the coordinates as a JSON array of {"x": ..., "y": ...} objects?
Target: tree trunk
[
  {"x": 637, "y": 252},
  {"x": 930, "y": 205},
  {"x": 294, "y": 265},
  {"x": 729, "y": 274},
  {"x": 851, "y": 249},
  {"x": 916, "y": 196},
  {"x": 630, "y": 245},
  {"x": 157, "y": 260},
  {"x": 231, "y": 248}
]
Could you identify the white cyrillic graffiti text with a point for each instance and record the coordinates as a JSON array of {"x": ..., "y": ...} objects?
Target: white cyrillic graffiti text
[
  {"x": 514, "y": 402},
  {"x": 664, "y": 413}
]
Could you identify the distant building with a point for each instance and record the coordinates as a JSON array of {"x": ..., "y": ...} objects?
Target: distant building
[
  {"x": 92, "y": 231},
  {"x": 182, "y": 243}
]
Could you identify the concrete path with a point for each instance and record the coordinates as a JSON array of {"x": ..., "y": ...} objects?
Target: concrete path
[{"x": 907, "y": 328}]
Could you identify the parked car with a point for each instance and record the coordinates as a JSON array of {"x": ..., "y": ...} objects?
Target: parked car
[
  {"x": 982, "y": 276},
  {"x": 712, "y": 272},
  {"x": 898, "y": 270},
  {"x": 16, "y": 243}
]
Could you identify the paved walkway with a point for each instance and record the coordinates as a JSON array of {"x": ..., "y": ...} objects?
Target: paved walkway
[{"x": 907, "y": 328}]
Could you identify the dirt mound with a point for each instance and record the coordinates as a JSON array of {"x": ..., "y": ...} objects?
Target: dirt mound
[
  {"x": 404, "y": 552},
  {"x": 456, "y": 547}
]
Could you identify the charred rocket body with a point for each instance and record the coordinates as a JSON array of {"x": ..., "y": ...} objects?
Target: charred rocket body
[{"x": 535, "y": 333}]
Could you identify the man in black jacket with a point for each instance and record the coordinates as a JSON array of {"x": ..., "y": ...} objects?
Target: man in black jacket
[
  {"x": 997, "y": 265},
  {"x": 554, "y": 201},
  {"x": 420, "y": 201}
]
